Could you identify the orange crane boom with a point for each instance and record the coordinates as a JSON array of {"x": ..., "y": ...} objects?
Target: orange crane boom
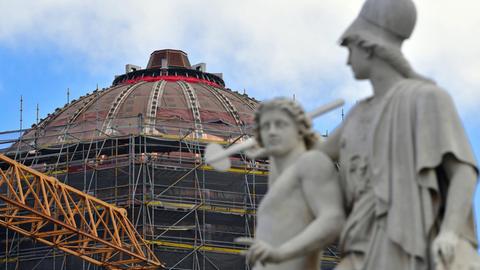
[{"x": 43, "y": 208}]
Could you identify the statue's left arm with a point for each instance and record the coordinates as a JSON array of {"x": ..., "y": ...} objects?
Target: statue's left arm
[
  {"x": 462, "y": 179},
  {"x": 462, "y": 182},
  {"x": 441, "y": 143}
]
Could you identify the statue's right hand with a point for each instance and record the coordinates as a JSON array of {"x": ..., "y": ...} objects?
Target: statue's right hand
[{"x": 259, "y": 251}]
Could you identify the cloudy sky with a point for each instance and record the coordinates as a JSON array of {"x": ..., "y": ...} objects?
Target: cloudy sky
[{"x": 269, "y": 48}]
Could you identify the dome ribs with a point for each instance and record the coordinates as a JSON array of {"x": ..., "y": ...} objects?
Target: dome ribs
[
  {"x": 245, "y": 107},
  {"x": 244, "y": 100},
  {"x": 192, "y": 101},
  {"x": 91, "y": 99},
  {"x": 87, "y": 102},
  {"x": 153, "y": 103},
  {"x": 113, "y": 111},
  {"x": 58, "y": 112},
  {"x": 227, "y": 104}
]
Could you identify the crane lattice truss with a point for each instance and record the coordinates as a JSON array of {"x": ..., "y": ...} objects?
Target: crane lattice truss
[{"x": 58, "y": 215}]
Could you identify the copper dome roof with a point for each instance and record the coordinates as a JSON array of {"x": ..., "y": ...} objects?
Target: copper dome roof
[{"x": 169, "y": 101}]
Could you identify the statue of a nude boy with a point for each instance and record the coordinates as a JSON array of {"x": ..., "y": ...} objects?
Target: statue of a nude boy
[{"x": 302, "y": 211}]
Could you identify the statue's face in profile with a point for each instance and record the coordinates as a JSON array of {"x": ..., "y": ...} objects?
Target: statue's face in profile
[
  {"x": 279, "y": 132},
  {"x": 359, "y": 61}
]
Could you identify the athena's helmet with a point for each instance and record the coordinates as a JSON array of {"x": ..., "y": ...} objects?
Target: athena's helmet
[{"x": 385, "y": 23}]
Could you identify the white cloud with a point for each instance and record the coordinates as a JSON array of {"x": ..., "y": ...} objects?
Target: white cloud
[
  {"x": 280, "y": 45},
  {"x": 445, "y": 46}
]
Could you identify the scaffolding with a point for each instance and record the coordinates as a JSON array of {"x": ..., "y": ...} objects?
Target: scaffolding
[{"x": 188, "y": 213}]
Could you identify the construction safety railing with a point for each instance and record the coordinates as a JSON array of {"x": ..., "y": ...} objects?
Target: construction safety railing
[
  {"x": 56, "y": 135},
  {"x": 41, "y": 207}
]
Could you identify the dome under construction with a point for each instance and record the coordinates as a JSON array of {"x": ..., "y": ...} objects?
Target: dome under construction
[{"x": 168, "y": 98}]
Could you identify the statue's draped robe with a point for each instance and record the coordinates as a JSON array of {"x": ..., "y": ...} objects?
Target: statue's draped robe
[{"x": 390, "y": 151}]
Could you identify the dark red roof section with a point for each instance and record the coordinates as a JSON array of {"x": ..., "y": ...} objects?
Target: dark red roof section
[{"x": 174, "y": 58}]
